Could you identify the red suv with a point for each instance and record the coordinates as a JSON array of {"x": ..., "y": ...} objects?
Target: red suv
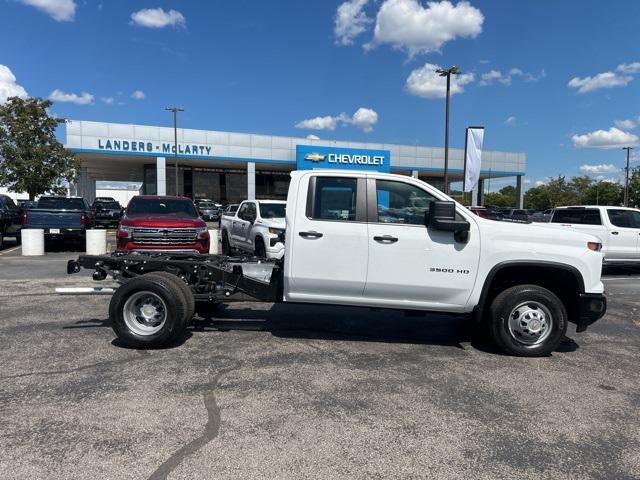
[{"x": 154, "y": 223}]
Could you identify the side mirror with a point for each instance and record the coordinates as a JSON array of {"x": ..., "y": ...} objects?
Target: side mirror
[{"x": 442, "y": 216}]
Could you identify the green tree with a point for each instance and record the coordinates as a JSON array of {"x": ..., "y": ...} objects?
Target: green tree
[
  {"x": 582, "y": 187},
  {"x": 634, "y": 188},
  {"x": 537, "y": 198},
  {"x": 31, "y": 158},
  {"x": 605, "y": 192},
  {"x": 505, "y": 197}
]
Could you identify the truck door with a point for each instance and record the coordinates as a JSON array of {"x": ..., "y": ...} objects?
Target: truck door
[
  {"x": 329, "y": 240},
  {"x": 409, "y": 265},
  {"x": 623, "y": 235},
  {"x": 240, "y": 224}
]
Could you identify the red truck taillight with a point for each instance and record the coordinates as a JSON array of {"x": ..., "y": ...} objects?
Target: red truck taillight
[
  {"x": 25, "y": 217},
  {"x": 83, "y": 219}
]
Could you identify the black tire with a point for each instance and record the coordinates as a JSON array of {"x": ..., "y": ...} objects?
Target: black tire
[
  {"x": 19, "y": 237},
  {"x": 1, "y": 240},
  {"x": 260, "y": 250},
  {"x": 226, "y": 247},
  {"x": 190, "y": 303},
  {"x": 513, "y": 334},
  {"x": 174, "y": 323}
]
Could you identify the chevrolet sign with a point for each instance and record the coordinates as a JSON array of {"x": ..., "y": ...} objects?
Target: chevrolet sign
[{"x": 309, "y": 157}]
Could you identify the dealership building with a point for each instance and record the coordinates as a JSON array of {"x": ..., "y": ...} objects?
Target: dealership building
[{"x": 230, "y": 167}]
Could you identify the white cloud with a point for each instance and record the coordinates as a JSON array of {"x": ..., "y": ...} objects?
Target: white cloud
[
  {"x": 407, "y": 25},
  {"x": 350, "y": 21},
  {"x": 107, "y": 100},
  {"x": 612, "y": 138},
  {"x": 363, "y": 118},
  {"x": 138, "y": 95},
  {"x": 629, "y": 68},
  {"x": 59, "y": 10},
  {"x": 494, "y": 75},
  {"x": 506, "y": 79},
  {"x": 540, "y": 183},
  {"x": 8, "y": 85},
  {"x": 426, "y": 83},
  {"x": 158, "y": 18},
  {"x": 599, "y": 169},
  {"x": 511, "y": 121},
  {"x": 601, "y": 80},
  {"x": 625, "y": 124},
  {"x": 319, "y": 123},
  {"x": 312, "y": 137},
  {"x": 83, "y": 99}
]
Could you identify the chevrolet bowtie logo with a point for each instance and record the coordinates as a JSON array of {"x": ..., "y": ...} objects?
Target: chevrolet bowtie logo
[{"x": 315, "y": 157}]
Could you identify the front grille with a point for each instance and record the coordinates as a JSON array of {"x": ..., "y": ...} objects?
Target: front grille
[{"x": 164, "y": 236}]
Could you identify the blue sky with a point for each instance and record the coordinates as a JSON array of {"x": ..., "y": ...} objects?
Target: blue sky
[{"x": 550, "y": 78}]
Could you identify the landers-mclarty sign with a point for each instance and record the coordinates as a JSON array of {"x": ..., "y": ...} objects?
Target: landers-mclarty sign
[{"x": 113, "y": 145}]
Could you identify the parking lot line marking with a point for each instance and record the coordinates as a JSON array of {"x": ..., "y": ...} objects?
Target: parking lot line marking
[{"x": 9, "y": 250}]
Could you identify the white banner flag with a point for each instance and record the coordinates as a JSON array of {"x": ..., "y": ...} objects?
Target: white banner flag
[{"x": 473, "y": 157}]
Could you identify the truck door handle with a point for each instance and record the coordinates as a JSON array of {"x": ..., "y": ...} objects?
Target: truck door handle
[
  {"x": 310, "y": 234},
  {"x": 614, "y": 233},
  {"x": 385, "y": 239}
]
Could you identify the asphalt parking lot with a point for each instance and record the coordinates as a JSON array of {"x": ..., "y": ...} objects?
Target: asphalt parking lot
[{"x": 286, "y": 391}]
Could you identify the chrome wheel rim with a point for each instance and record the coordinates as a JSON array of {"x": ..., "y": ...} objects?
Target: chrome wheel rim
[
  {"x": 530, "y": 323},
  {"x": 145, "y": 313}
]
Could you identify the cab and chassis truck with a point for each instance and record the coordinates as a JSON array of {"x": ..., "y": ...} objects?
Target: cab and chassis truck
[{"x": 380, "y": 241}]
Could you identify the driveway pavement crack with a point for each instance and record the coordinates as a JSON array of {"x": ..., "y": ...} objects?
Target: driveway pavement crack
[{"x": 211, "y": 429}]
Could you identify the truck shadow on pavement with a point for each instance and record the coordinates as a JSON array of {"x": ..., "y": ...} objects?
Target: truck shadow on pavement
[{"x": 325, "y": 322}]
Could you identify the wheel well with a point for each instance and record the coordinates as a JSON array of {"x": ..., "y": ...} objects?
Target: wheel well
[{"x": 565, "y": 283}]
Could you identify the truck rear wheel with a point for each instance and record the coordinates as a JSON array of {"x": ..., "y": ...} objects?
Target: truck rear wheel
[
  {"x": 527, "y": 321},
  {"x": 148, "y": 311},
  {"x": 190, "y": 303}
]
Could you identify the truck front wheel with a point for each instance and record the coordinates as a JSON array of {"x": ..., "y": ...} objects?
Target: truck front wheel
[
  {"x": 148, "y": 311},
  {"x": 527, "y": 321}
]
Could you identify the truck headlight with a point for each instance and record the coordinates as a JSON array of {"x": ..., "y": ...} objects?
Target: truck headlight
[
  {"x": 124, "y": 231},
  {"x": 275, "y": 231}
]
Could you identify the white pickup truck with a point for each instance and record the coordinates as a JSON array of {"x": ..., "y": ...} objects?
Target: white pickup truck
[
  {"x": 256, "y": 227},
  {"x": 617, "y": 228},
  {"x": 383, "y": 241}
]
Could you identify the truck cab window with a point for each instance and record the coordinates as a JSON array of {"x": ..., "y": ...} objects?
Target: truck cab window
[
  {"x": 400, "y": 202},
  {"x": 624, "y": 218},
  {"x": 335, "y": 199},
  {"x": 578, "y": 216}
]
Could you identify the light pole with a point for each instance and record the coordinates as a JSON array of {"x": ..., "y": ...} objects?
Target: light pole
[
  {"x": 447, "y": 73},
  {"x": 626, "y": 178},
  {"x": 175, "y": 111}
]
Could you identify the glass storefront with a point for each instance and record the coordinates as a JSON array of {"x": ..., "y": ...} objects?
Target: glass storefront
[{"x": 220, "y": 185}]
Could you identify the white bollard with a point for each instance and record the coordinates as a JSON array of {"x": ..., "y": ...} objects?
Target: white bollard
[
  {"x": 213, "y": 243},
  {"x": 32, "y": 241},
  {"x": 96, "y": 242}
]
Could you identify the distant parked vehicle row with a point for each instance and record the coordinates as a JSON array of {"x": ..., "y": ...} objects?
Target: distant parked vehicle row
[{"x": 106, "y": 211}]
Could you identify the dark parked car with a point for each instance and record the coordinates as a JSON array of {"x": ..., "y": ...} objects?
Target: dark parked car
[
  {"x": 210, "y": 211},
  {"x": 231, "y": 209},
  {"x": 106, "y": 212},
  {"x": 10, "y": 219},
  {"x": 60, "y": 217},
  {"x": 518, "y": 215},
  {"x": 487, "y": 213}
]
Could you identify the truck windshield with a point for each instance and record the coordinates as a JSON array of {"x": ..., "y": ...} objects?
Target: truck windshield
[
  {"x": 61, "y": 203},
  {"x": 272, "y": 210},
  {"x": 161, "y": 206}
]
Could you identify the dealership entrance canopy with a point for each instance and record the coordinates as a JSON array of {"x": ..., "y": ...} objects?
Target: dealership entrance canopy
[{"x": 230, "y": 167}]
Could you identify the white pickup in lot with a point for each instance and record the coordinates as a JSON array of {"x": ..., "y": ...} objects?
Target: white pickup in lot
[
  {"x": 256, "y": 227},
  {"x": 617, "y": 228},
  {"x": 374, "y": 240}
]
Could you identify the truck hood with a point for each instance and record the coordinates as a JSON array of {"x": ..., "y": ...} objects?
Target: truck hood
[
  {"x": 273, "y": 222},
  {"x": 542, "y": 232},
  {"x": 169, "y": 221}
]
